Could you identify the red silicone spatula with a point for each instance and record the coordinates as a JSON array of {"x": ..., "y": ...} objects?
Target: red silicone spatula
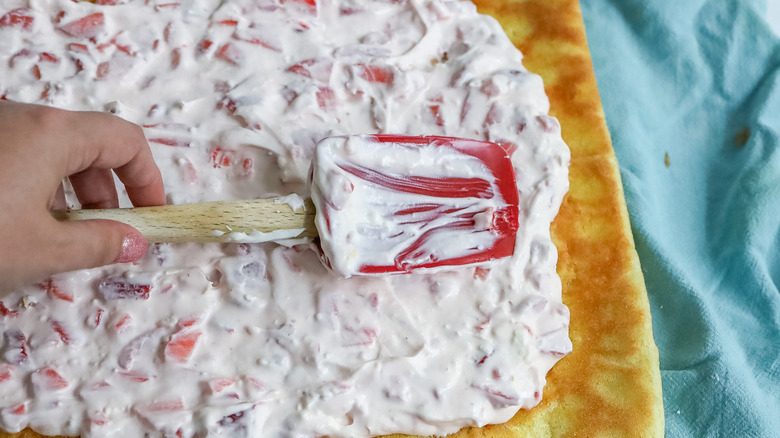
[{"x": 380, "y": 204}]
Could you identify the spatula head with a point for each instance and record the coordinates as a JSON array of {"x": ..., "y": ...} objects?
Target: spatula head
[{"x": 394, "y": 204}]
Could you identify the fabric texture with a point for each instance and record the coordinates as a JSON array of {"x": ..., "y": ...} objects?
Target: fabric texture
[{"x": 691, "y": 93}]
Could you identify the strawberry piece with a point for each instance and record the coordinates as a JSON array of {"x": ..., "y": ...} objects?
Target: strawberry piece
[
  {"x": 47, "y": 379},
  {"x": 124, "y": 323},
  {"x": 376, "y": 74},
  {"x": 179, "y": 348},
  {"x": 76, "y": 47},
  {"x": 23, "y": 54},
  {"x": 253, "y": 36},
  {"x": 118, "y": 288},
  {"x": 221, "y": 157},
  {"x": 230, "y": 53},
  {"x": 19, "y": 410},
  {"x": 227, "y": 104},
  {"x": 218, "y": 385},
  {"x": 317, "y": 69},
  {"x": 135, "y": 376},
  {"x": 64, "y": 334},
  {"x": 204, "y": 45},
  {"x": 548, "y": 124},
  {"x": 309, "y": 6},
  {"x": 247, "y": 167},
  {"x": 20, "y": 18},
  {"x": 85, "y": 27},
  {"x": 171, "y": 5},
  {"x": 5, "y": 372},
  {"x": 36, "y": 71},
  {"x": 48, "y": 57},
  {"x": 498, "y": 398},
  {"x": 167, "y": 141},
  {"x": 355, "y": 338},
  {"x": 326, "y": 99},
  {"x": 481, "y": 273},
  {"x": 54, "y": 291},
  {"x": 94, "y": 322},
  {"x": 5, "y": 311},
  {"x": 161, "y": 406},
  {"x": 15, "y": 347},
  {"x": 175, "y": 58},
  {"x": 103, "y": 69},
  {"x": 228, "y": 22},
  {"x": 233, "y": 419}
]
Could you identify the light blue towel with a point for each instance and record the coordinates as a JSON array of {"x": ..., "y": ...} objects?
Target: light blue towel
[{"x": 699, "y": 82}]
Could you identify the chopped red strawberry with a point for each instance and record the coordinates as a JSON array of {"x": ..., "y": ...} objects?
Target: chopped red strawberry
[
  {"x": 481, "y": 273},
  {"x": 228, "y": 22},
  {"x": 103, "y": 69},
  {"x": 94, "y": 321},
  {"x": 548, "y": 124},
  {"x": 175, "y": 58},
  {"x": 22, "y": 54},
  {"x": 204, "y": 45},
  {"x": 20, "y": 18},
  {"x": 119, "y": 288},
  {"x": 63, "y": 333},
  {"x": 317, "y": 69},
  {"x": 354, "y": 338},
  {"x": 218, "y": 385},
  {"x": 15, "y": 351},
  {"x": 179, "y": 348},
  {"x": 5, "y": 372},
  {"x": 166, "y": 6},
  {"x": 47, "y": 379},
  {"x": 309, "y": 6},
  {"x": 253, "y": 36},
  {"x": 53, "y": 290},
  {"x": 374, "y": 73},
  {"x": 228, "y": 105},
  {"x": 498, "y": 398},
  {"x": 19, "y": 410},
  {"x": 247, "y": 167},
  {"x": 76, "y": 47},
  {"x": 135, "y": 376},
  {"x": 85, "y": 27},
  {"x": 177, "y": 142},
  {"x": 36, "y": 71},
  {"x": 48, "y": 57},
  {"x": 124, "y": 323},
  {"x": 230, "y": 53},
  {"x": 5, "y": 311},
  {"x": 221, "y": 157},
  {"x": 326, "y": 98},
  {"x": 159, "y": 406}
]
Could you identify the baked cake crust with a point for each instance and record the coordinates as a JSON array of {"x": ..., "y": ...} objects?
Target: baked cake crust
[{"x": 610, "y": 384}]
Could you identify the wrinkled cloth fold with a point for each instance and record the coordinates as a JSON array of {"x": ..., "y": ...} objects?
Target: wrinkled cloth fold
[{"x": 691, "y": 93}]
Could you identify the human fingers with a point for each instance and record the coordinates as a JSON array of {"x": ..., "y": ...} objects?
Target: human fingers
[
  {"x": 91, "y": 243},
  {"x": 104, "y": 141},
  {"x": 43, "y": 246},
  {"x": 95, "y": 188}
]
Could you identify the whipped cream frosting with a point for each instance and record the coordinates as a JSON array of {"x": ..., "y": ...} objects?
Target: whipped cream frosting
[
  {"x": 261, "y": 339},
  {"x": 395, "y": 204}
]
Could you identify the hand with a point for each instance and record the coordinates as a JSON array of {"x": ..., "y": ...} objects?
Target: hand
[{"x": 39, "y": 146}]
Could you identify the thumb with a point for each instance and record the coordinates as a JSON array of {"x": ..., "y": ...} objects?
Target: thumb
[{"x": 96, "y": 242}]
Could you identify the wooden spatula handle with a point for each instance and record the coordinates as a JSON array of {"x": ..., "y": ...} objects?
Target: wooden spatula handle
[{"x": 208, "y": 221}]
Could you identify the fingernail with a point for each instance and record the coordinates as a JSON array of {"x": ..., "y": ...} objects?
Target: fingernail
[{"x": 133, "y": 248}]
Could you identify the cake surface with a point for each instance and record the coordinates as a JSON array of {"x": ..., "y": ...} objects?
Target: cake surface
[{"x": 261, "y": 338}]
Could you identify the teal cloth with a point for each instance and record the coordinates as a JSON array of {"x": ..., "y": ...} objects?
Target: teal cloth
[{"x": 699, "y": 81}]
